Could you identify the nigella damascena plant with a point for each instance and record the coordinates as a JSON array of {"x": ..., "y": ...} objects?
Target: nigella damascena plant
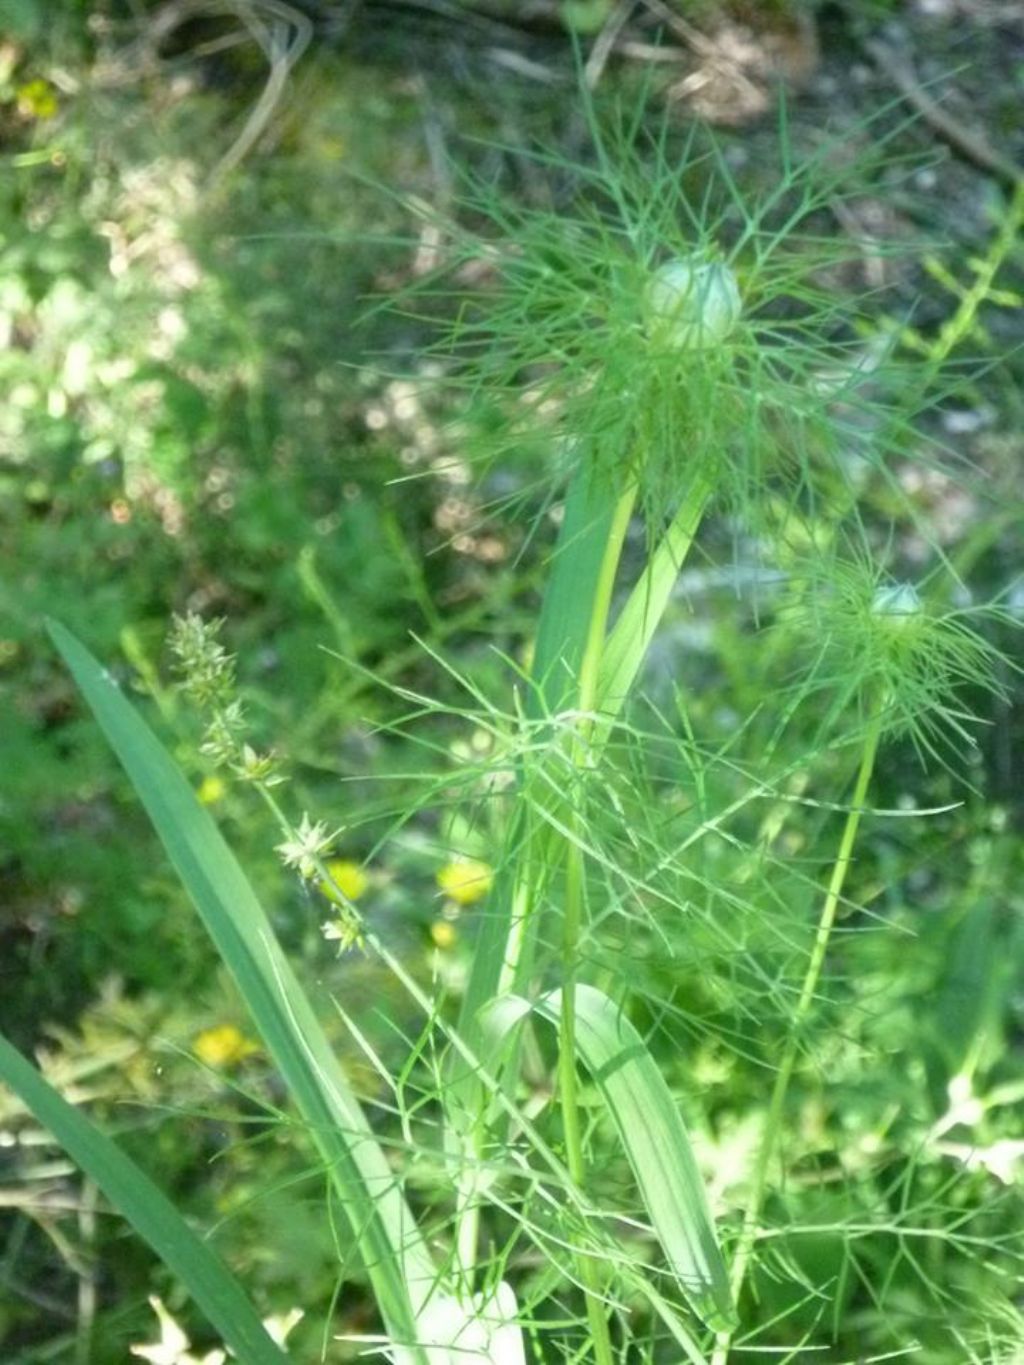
[
  {"x": 652, "y": 320},
  {"x": 890, "y": 647}
]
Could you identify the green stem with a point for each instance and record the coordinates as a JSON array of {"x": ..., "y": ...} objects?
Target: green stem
[
  {"x": 577, "y": 662},
  {"x": 590, "y": 668},
  {"x": 573, "y": 905},
  {"x": 467, "y": 1216},
  {"x": 558, "y": 653},
  {"x": 773, "y": 1118}
]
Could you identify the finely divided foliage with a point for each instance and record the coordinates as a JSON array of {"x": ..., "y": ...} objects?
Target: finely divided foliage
[{"x": 670, "y": 887}]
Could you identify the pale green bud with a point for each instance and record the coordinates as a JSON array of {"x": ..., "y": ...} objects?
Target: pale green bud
[
  {"x": 693, "y": 303},
  {"x": 898, "y": 604}
]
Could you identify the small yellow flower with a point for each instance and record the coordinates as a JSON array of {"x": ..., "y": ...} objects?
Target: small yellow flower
[
  {"x": 347, "y": 877},
  {"x": 444, "y": 934},
  {"x": 36, "y": 99},
  {"x": 212, "y": 790},
  {"x": 223, "y": 1046},
  {"x": 465, "y": 880}
]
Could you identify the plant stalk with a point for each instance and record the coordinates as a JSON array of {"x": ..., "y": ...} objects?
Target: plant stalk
[
  {"x": 606, "y": 665},
  {"x": 773, "y": 1118},
  {"x": 573, "y": 905}
]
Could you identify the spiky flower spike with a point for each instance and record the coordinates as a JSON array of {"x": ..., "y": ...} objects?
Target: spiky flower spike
[
  {"x": 206, "y": 673},
  {"x": 657, "y": 322}
]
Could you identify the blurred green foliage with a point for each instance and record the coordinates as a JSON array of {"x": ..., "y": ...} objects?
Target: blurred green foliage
[{"x": 184, "y": 428}]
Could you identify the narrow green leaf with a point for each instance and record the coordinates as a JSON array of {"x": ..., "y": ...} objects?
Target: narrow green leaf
[
  {"x": 558, "y": 653},
  {"x": 150, "y": 1212},
  {"x": 652, "y": 1132},
  {"x": 639, "y": 618},
  {"x": 568, "y": 598},
  {"x": 561, "y": 639},
  {"x": 657, "y": 1144},
  {"x": 399, "y": 1265}
]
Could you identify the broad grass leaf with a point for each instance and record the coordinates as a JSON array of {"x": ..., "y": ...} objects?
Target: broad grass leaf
[
  {"x": 149, "y": 1211},
  {"x": 399, "y": 1265},
  {"x": 653, "y": 1135}
]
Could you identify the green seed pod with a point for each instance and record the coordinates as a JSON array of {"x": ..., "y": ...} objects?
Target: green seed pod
[{"x": 693, "y": 303}]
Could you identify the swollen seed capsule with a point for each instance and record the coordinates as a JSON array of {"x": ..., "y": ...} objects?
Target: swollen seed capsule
[
  {"x": 897, "y": 604},
  {"x": 693, "y": 303}
]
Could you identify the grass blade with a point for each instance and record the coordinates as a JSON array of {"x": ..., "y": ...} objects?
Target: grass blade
[
  {"x": 400, "y": 1267},
  {"x": 567, "y": 607},
  {"x": 641, "y": 615},
  {"x": 651, "y": 1130},
  {"x": 562, "y": 630},
  {"x": 561, "y": 639},
  {"x": 657, "y": 1145},
  {"x": 149, "y": 1211}
]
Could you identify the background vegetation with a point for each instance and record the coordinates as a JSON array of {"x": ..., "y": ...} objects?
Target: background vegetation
[{"x": 197, "y": 202}]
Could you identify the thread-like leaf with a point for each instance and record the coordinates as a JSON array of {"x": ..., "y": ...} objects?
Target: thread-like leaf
[
  {"x": 399, "y": 1265},
  {"x": 150, "y": 1212}
]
